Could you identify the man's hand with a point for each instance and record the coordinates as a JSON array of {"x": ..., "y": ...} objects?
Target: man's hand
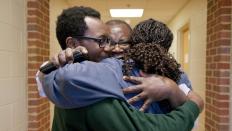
[
  {"x": 154, "y": 88},
  {"x": 66, "y": 56},
  {"x": 149, "y": 88}
]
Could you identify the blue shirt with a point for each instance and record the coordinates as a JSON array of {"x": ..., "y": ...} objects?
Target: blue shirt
[
  {"x": 185, "y": 80},
  {"x": 81, "y": 84}
]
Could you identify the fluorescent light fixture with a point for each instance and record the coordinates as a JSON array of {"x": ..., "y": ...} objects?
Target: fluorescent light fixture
[{"x": 126, "y": 12}]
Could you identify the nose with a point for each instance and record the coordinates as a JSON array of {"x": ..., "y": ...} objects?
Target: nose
[{"x": 117, "y": 49}]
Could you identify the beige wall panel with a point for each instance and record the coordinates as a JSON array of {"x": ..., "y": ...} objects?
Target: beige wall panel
[
  {"x": 13, "y": 70},
  {"x": 194, "y": 13}
]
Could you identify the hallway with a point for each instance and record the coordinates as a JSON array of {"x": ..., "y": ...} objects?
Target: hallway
[{"x": 28, "y": 39}]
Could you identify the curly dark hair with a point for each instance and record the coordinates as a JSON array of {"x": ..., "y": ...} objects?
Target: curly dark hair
[
  {"x": 71, "y": 22},
  {"x": 152, "y": 31},
  {"x": 152, "y": 59}
]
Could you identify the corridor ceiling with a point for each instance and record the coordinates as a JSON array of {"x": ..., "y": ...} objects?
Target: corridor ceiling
[{"x": 163, "y": 10}]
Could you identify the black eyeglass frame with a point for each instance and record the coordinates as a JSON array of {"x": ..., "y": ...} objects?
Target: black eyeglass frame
[
  {"x": 102, "y": 42},
  {"x": 121, "y": 43}
]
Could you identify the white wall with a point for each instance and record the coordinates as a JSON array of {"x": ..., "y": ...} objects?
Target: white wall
[
  {"x": 194, "y": 13},
  {"x": 13, "y": 68},
  {"x": 56, "y": 7}
]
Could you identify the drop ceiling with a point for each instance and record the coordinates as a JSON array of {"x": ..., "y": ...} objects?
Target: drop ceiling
[{"x": 163, "y": 10}]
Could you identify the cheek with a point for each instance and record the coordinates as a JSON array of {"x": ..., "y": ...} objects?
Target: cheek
[
  {"x": 92, "y": 47},
  {"x": 95, "y": 52},
  {"x": 125, "y": 47}
]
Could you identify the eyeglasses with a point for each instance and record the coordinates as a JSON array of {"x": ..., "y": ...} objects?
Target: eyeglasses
[
  {"x": 122, "y": 44},
  {"x": 102, "y": 42}
]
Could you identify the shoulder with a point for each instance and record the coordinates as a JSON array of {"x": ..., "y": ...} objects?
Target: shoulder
[{"x": 112, "y": 61}]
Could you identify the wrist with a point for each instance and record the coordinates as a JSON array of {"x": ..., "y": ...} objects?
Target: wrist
[
  {"x": 184, "y": 88},
  {"x": 196, "y": 99},
  {"x": 176, "y": 97},
  {"x": 171, "y": 88}
]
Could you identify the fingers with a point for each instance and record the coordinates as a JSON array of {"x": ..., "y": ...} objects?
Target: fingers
[
  {"x": 136, "y": 80},
  {"x": 146, "y": 104},
  {"x": 55, "y": 61},
  {"x": 62, "y": 58},
  {"x": 69, "y": 55},
  {"x": 81, "y": 49},
  {"x": 66, "y": 56},
  {"x": 132, "y": 89},
  {"x": 136, "y": 98}
]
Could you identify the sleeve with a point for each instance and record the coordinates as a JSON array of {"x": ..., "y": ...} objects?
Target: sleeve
[
  {"x": 181, "y": 119},
  {"x": 81, "y": 84},
  {"x": 122, "y": 118},
  {"x": 38, "y": 82},
  {"x": 184, "y": 88},
  {"x": 185, "y": 80},
  {"x": 39, "y": 85}
]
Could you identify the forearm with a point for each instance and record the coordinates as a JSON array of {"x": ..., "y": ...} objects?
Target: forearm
[
  {"x": 175, "y": 96},
  {"x": 118, "y": 113},
  {"x": 53, "y": 90},
  {"x": 196, "y": 99},
  {"x": 180, "y": 119},
  {"x": 81, "y": 85},
  {"x": 178, "y": 97}
]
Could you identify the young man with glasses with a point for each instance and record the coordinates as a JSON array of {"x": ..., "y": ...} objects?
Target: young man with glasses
[{"x": 117, "y": 115}]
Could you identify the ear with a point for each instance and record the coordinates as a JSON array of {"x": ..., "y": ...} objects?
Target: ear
[{"x": 72, "y": 43}]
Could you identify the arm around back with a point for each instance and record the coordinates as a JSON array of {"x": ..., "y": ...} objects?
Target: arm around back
[
  {"x": 118, "y": 116},
  {"x": 81, "y": 84}
]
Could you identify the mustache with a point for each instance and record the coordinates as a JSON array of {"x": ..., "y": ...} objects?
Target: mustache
[{"x": 118, "y": 56}]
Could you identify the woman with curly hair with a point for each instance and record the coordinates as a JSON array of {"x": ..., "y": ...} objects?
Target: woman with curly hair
[
  {"x": 156, "y": 32},
  {"x": 146, "y": 59},
  {"x": 148, "y": 55}
]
